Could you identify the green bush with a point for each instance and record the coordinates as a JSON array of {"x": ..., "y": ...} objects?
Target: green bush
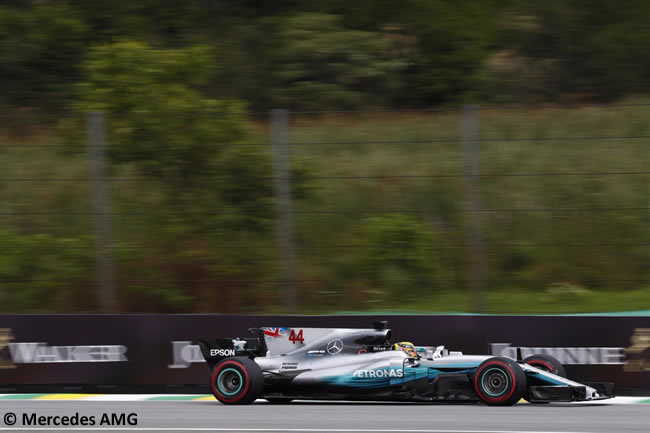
[
  {"x": 41, "y": 48},
  {"x": 399, "y": 257},
  {"x": 323, "y": 64},
  {"x": 43, "y": 273}
]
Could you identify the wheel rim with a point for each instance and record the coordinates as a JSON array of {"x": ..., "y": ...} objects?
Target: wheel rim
[
  {"x": 495, "y": 382},
  {"x": 229, "y": 381}
]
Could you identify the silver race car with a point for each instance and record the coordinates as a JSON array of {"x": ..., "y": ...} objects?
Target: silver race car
[{"x": 283, "y": 364}]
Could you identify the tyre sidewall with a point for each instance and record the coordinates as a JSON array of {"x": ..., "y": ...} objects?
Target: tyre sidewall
[
  {"x": 516, "y": 381},
  {"x": 546, "y": 363},
  {"x": 251, "y": 376}
]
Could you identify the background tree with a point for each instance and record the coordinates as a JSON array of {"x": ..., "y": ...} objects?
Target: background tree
[
  {"x": 215, "y": 187},
  {"x": 589, "y": 50},
  {"x": 42, "y": 48},
  {"x": 323, "y": 64}
]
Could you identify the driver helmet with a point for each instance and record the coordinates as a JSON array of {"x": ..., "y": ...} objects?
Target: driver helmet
[{"x": 406, "y": 346}]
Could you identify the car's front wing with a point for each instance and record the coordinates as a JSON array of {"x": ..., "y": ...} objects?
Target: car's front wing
[{"x": 585, "y": 392}]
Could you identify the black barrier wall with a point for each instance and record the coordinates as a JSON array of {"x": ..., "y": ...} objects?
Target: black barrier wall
[{"x": 156, "y": 353}]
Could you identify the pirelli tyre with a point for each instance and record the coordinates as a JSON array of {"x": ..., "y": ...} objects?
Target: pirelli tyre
[
  {"x": 546, "y": 363},
  {"x": 237, "y": 380},
  {"x": 499, "y": 382}
]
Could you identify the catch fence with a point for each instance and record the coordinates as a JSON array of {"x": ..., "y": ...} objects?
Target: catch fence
[{"x": 322, "y": 211}]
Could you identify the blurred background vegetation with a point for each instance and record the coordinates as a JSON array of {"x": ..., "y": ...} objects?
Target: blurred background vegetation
[{"x": 377, "y": 166}]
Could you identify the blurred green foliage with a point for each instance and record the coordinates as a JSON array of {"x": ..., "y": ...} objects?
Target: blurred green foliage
[
  {"x": 212, "y": 189},
  {"x": 540, "y": 229},
  {"x": 192, "y": 199},
  {"x": 41, "y": 272},
  {"x": 378, "y": 225},
  {"x": 324, "y": 64},
  {"x": 399, "y": 257},
  {"x": 340, "y": 54},
  {"x": 131, "y": 80},
  {"x": 571, "y": 50},
  {"x": 41, "y": 47}
]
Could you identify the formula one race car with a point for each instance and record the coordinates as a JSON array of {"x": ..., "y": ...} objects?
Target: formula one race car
[{"x": 283, "y": 364}]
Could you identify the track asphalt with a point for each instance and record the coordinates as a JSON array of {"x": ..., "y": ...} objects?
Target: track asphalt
[{"x": 205, "y": 415}]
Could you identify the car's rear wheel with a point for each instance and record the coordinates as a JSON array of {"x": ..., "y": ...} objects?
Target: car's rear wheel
[
  {"x": 237, "y": 380},
  {"x": 499, "y": 381},
  {"x": 546, "y": 363}
]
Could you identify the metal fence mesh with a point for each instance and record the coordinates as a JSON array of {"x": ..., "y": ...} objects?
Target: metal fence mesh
[{"x": 330, "y": 210}]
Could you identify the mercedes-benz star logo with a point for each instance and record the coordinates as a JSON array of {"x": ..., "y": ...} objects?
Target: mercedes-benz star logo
[{"x": 334, "y": 347}]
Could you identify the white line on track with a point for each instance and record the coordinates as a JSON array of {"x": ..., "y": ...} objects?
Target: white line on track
[
  {"x": 278, "y": 429},
  {"x": 166, "y": 398}
]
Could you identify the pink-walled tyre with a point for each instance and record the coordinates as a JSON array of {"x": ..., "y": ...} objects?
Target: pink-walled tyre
[
  {"x": 237, "y": 380},
  {"x": 499, "y": 382},
  {"x": 546, "y": 363}
]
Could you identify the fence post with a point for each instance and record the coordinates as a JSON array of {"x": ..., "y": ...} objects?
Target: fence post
[
  {"x": 473, "y": 227},
  {"x": 284, "y": 206},
  {"x": 105, "y": 277}
]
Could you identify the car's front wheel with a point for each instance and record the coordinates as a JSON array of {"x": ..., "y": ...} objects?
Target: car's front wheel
[
  {"x": 237, "y": 380},
  {"x": 545, "y": 363},
  {"x": 499, "y": 381}
]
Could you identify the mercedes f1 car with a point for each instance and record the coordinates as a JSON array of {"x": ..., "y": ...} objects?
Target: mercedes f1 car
[{"x": 283, "y": 364}]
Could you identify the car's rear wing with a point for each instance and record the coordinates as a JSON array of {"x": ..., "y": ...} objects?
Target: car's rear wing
[{"x": 217, "y": 349}]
